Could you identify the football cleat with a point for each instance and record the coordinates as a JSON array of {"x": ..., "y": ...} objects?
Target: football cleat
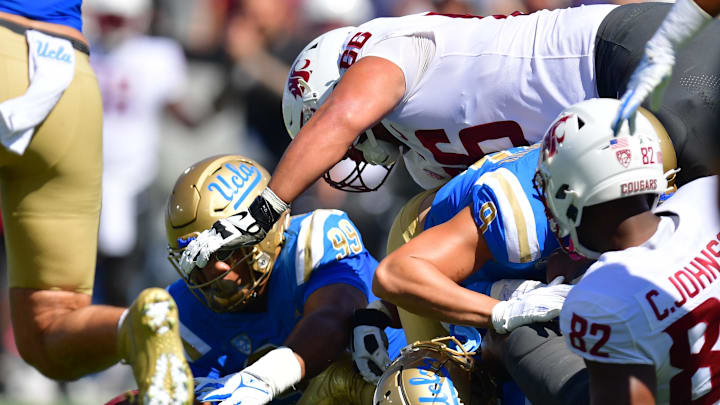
[{"x": 149, "y": 340}]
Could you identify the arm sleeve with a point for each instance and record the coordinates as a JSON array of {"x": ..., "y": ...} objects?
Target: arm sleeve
[
  {"x": 599, "y": 327},
  {"x": 411, "y": 53}
]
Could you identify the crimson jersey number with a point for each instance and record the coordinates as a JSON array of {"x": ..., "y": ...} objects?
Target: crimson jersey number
[
  {"x": 432, "y": 138},
  {"x": 578, "y": 330},
  {"x": 350, "y": 54},
  {"x": 470, "y": 138},
  {"x": 685, "y": 356}
]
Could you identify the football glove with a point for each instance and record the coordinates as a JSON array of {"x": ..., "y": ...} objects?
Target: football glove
[
  {"x": 369, "y": 344},
  {"x": 241, "y": 388},
  {"x": 507, "y": 289},
  {"x": 652, "y": 75},
  {"x": 245, "y": 228},
  {"x": 650, "y": 78},
  {"x": 538, "y": 305},
  {"x": 204, "y": 385}
]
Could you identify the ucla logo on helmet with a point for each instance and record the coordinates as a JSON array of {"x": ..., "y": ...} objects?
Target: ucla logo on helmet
[
  {"x": 243, "y": 180},
  {"x": 294, "y": 86}
]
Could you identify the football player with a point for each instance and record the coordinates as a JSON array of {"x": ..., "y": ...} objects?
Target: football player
[
  {"x": 258, "y": 320},
  {"x": 645, "y": 315},
  {"x": 51, "y": 159},
  {"x": 685, "y": 19},
  {"x": 473, "y": 257},
  {"x": 509, "y": 236},
  {"x": 448, "y": 89}
]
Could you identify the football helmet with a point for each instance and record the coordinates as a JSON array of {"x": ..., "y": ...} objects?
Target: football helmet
[
  {"x": 313, "y": 75},
  {"x": 215, "y": 188},
  {"x": 347, "y": 12},
  {"x": 582, "y": 163},
  {"x": 428, "y": 371}
]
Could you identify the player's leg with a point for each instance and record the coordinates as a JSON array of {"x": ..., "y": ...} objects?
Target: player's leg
[
  {"x": 537, "y": 359},
  {"x": 408, "y": 224},
  {"x": 689, "y": 111},
  {"x": 51, "y": 207}
]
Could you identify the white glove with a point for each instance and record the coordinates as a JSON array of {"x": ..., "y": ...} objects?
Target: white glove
[
  {"x": 507, "y": 289},
  {"x": 369, "y": 343},
  {"x": 652, "y": 75},
  {"x": 198, "y": 251},
  {"x": 246, "y": 228},
  {"x": 204, "y": 385},
  {"x": 539, "y": 305},
  {"x": 241, "y": 388},
  {"x": 650, "y": 78}
]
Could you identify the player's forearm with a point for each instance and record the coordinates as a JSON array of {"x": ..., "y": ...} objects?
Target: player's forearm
[
  {"x": 319, "y": 338},
  {"x": 418, "y": 287},
  {"x": 317, "y": 147}
]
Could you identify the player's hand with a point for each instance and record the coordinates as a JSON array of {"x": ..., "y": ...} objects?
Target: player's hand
[
  {"x": 507, "y": 289},
  {"x": 650, "y": 78},
  {"x": 204, "y": 385},
  {"x": 539, "y": 305},
  {"x": 246, "y": 228},
  {"x": 241, "y": 388},
  {"x": 369, "y": 344}
]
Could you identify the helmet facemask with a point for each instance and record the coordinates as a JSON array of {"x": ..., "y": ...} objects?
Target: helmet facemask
[
  {"x": 444, "y": 374},
  {"x": 367, "y": 163},
  {"x": 210, "y": 190}
]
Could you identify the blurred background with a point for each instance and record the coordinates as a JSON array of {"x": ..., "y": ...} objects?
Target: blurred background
[{"x": 183, "y": 80}]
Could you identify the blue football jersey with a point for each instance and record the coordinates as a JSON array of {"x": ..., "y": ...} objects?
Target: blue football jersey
[
  {"x": 507, "y": 209},
  {"x": 322, "y": 247}
]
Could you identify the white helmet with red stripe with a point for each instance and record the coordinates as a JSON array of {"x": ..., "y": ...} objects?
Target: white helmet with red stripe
[
  {"x": 582, "y": 163},
  {"x": 313, "y": 75}
]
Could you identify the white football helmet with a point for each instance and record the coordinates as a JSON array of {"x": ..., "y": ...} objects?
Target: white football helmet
[
  {"x": 582, "y": 164},
  {"x": 313, "y": 75}
]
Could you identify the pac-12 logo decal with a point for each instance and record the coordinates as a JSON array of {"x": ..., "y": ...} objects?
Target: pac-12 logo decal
[
  {"x": 554, "y": 137},
  {"x": 296, "y": 88},
  {"x": 242, "y": 343},
  {"x": 624, "y": 156}
]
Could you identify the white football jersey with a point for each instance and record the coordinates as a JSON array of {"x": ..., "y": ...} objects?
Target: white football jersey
[
  {"x": 483, "y": 84},
  {"x": 658, "y": 304}
]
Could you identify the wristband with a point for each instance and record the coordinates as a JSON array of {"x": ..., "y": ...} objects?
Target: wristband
[
  {"x": 267, "y": 208},
  {"x": 279, "y": 369}
]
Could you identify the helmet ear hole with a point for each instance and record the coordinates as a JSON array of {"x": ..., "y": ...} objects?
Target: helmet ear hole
[
  {"x": 572, "y": 213},
  {"x": 562, "y": 192}
]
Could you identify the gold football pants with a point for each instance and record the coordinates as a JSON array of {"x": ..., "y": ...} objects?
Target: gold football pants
[
  {"x": 51, "y": 194},
  {"x": 408, "y": 224}
]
